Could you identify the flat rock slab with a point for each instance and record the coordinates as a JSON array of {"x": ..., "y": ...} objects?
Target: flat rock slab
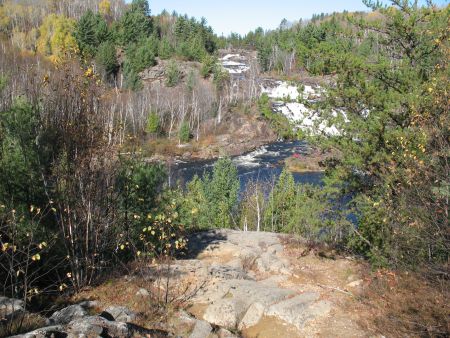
[
  {"x": 230, "y": 300},
  {"x": 253, "y": 315},
  {"x": 247, "y": 291},
  {"x": 300, "y": 309},
  {"x": 217, "y": 240}
]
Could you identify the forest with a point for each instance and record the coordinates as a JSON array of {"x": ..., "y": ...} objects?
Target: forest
[{"x": 99, "y": 97}]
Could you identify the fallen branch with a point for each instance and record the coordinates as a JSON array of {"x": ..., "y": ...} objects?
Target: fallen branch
[{"x": 336, "y": 289}]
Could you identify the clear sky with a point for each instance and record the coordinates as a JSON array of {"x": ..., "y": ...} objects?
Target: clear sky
[{"x": 241, "y": 16}]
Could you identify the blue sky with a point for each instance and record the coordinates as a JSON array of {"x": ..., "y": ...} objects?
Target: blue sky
[{"x": 242, "y": 16}]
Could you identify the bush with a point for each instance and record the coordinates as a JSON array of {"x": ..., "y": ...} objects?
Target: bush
[
  {"x": 139, "y": 56},
  {"x": 184, "y": 134},
  {"x": 137, "y": 185},
  {"x": 211, "y": 201},
  {"x": 165, "y": 50},
  {"x": 107, "y": 60},
  {"x": 153, "y": 123},
  {"x": 209, "y": 63},
  {"x": 279, "y": 122},
  {"x": 173, "y": 74}
]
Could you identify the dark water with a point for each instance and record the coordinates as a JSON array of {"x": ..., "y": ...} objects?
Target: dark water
[{"x": 263, "y": 164}]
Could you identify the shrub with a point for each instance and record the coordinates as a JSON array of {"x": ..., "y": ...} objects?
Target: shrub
[
  {"x": 173, "y": 74},
  {"x": 153, "y": 123},
  {"x": 212, "y": 200},
  {"x": 209, "y": 63},
  {"x": 184, "y": 134},
  {"x": 107, "y": 60}
]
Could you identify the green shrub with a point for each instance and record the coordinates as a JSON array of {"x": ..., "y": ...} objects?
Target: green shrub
[
  {"x": 106, "y": 58},
  {"x": 173, "y": 74},
  {"x": 184, "y": 134},
  {"x": 153, "y": 123},
  {"x": 212, "y": 200},
  {"x": 209, "y": 63}
]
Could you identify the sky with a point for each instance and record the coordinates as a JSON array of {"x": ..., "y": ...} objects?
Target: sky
[{"x": 242, "y": 16}]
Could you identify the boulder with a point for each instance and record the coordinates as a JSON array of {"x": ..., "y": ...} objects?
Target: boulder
[
  {"x": 355, "y": 284},
  {"x": 225, "y": 313},
  {"x": 268, "y": 262},
  {"x": 201, "y": 329},
  {"x": 66, "y": 315},
  {"x": 227, "y": 272},
  {"x": 181, "y": 323},
  {"x": 253, "y": 315},
  {"x": 121, "y": 313},
  {"x": 143, "y": 293},
  {"x": 95, "y": 326},
  {"x": 49, "y": 331},
  {"x": 244, "y": 291},
  {"x": 222, "y": 333},
  {"x": 300, "y": 309},
  {"x": 275, "y": 249}
]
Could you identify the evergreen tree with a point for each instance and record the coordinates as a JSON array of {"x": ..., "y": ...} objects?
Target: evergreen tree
[
  {"x": 139, "y": 56},
  {"x": 173, "y": 74},
  {"x": 165, "y": 50},
  {"x": 107, "y": 60},
  {"x": 392, "y": 147},
  {"x": 212, "y": 200},
  {"x": 134, "y": 25},
  {"x": 153, "y": 123},
  {"x": 281, "y": 203},
  {"x": 184, "y": 134},
  {"x": 141, "y": 6},
  {"x": 91, "y": 30}
]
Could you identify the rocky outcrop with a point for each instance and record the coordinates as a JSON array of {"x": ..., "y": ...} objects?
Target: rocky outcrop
[
  {"x": 68, "y": 314},
  {"x": 243, "y": 282},
  {"x": 75, "y": 321}
]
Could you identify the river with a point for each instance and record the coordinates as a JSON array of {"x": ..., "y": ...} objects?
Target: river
[{"x": 262, "y": 164}]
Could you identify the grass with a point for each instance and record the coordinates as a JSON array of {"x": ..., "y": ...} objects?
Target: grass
[
  {"x": 22, "y": 323},
  {"x": 389, "y": 303},
  {"x": 153, "y": 312},
  {"x": 405, "y": 304}
]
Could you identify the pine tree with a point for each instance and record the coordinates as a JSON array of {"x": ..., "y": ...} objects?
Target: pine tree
[
  {"x": 173, "y": 74},
  {"x": 135, "y": 25},
  {"x": 91, "y": 30},
  {"x": 153, "y": 123},
  {"x": 107, "y": 60},
  {"x": 184, "y": 134}
]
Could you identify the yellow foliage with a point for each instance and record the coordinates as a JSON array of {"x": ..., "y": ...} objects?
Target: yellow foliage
[
  {"x": 25, "y": 40},
  {"x": 56, "y": 40},
  {"x": 5, "y": 20},
  {"x": 104, "y": 7},
  {"x": 89, "y": 72}
]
